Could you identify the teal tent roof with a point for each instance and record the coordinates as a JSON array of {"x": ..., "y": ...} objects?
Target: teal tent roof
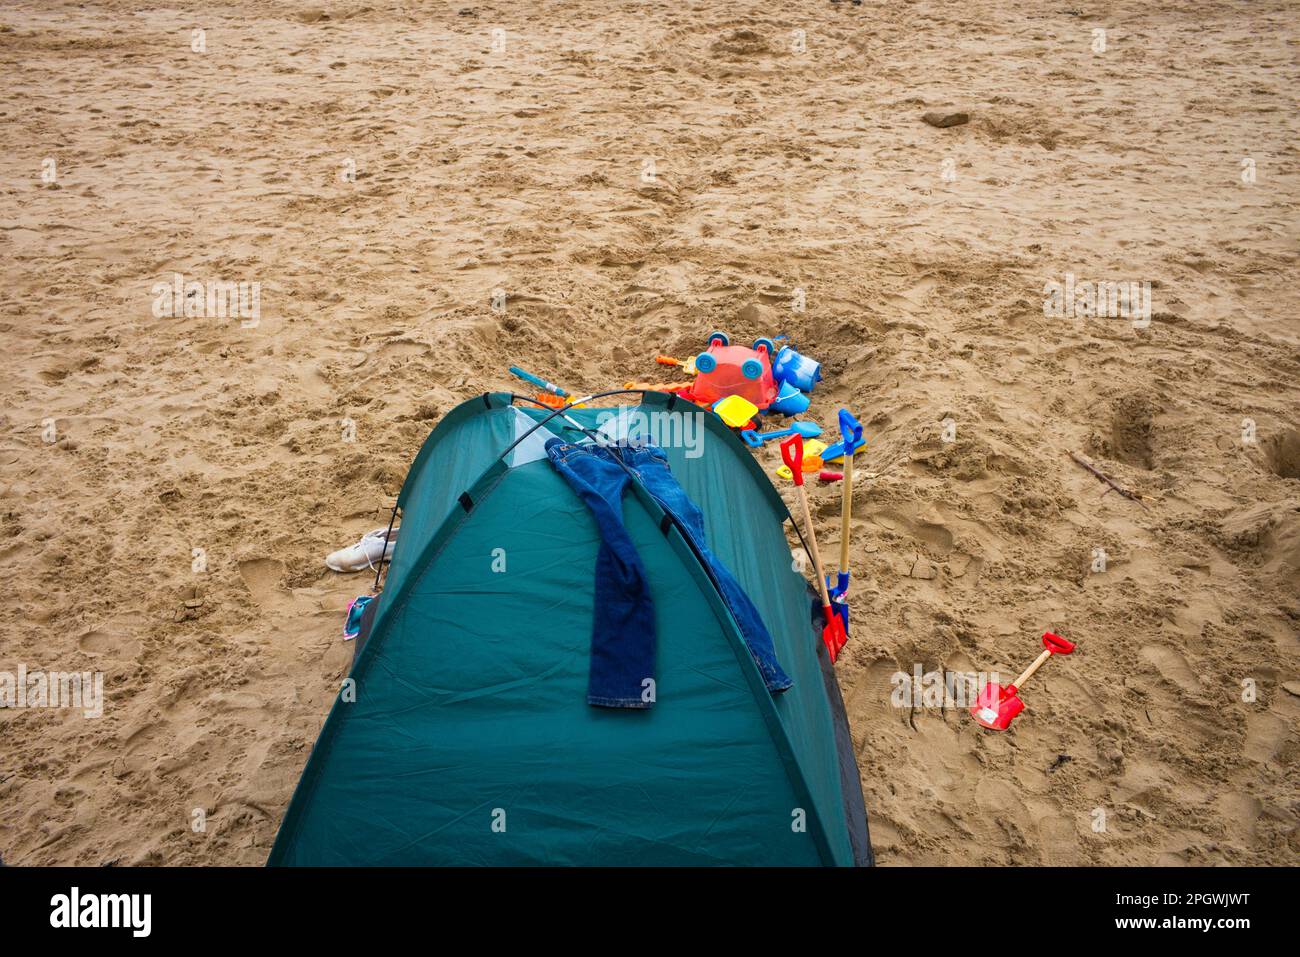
[{"x": 469, "y": 739}]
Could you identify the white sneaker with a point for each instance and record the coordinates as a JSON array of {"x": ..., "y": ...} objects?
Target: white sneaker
[{"x": 364, "y": 554}]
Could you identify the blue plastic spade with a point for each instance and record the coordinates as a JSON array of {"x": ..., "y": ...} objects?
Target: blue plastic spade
[
  {"x": 851, "y": 430},
  {"x": 809, "y": 430}
]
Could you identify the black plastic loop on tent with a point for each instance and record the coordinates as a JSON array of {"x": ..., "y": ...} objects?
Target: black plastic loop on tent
[{"x": 379, "y": 569}]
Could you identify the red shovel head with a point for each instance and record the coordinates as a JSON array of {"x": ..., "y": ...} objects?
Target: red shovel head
[
  {"x": 833, "y": 634},
  {"x": 996, "y": 706}
]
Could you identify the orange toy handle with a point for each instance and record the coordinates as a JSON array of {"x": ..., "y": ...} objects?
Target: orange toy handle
[
  {"x": 667, "y": 361},
  {"x": 792, "y": 455}
]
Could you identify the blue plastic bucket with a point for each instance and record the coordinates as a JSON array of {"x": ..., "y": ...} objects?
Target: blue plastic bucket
[
  {"x": 800, "y": 371},
  {"x": 790, "y": 401}
]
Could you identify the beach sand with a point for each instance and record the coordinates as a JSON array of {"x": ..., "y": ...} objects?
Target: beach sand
[{"x": 632, "y": 176}]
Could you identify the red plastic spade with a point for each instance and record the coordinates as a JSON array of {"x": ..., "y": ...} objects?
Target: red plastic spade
[
  {"x": 996, "y": 706},
  {"x": 833, "y": 632}
]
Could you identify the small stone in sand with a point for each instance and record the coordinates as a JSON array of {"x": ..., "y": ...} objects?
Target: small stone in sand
[{"x": 943, "y": 120}]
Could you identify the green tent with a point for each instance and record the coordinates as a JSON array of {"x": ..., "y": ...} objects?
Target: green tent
[{"x": 468, "y": 739}]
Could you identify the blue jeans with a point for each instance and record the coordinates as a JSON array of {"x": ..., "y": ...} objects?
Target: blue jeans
[{"x": 623, "y": 632}]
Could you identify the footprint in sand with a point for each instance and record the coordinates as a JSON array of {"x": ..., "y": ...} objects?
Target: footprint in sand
[
  {"x": 1241, "y": 809},
  {"x": 1143, "y": 784},
  {"x": 913, "y": 299},
  {"x": 870, "y": 692},
  {"x": 399, "y": 349},
  {"x": 1076, "y": 698},
  {"x": 926, "y": 529},
  {"x": 1058, "y": 834},
  {"x": 937, "y": 537},
  {"x": 262, "y": 577},
  {"x": 997, "y": 799},
  {"x": 962, "y": 678},
  {"x": 1173, "y": 667},
  {"x": 100, "y": 643},
  {"x": 1264, "y": 736}
]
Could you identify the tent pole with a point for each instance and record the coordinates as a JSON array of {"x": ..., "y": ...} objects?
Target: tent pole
[{"x": 387, "y": 535}]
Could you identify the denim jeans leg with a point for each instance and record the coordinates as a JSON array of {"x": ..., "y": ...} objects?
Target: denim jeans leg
[
  {"x": 623, "y": 624},
  {"x": 651, "y": 466}
]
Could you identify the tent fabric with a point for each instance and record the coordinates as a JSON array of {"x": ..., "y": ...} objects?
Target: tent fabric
[{"x": 470, "y": 740}]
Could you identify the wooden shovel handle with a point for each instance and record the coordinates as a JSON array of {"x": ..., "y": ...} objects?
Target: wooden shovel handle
[
  {"x": 812, "y": 545},
  {"x": 1029, "y": 672},
  {"x": 846, "y": 511},
  {"x": 851, "y": 433}
]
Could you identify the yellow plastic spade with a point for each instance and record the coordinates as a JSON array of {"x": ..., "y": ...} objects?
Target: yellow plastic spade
[{"x": 735, "y": 410}]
